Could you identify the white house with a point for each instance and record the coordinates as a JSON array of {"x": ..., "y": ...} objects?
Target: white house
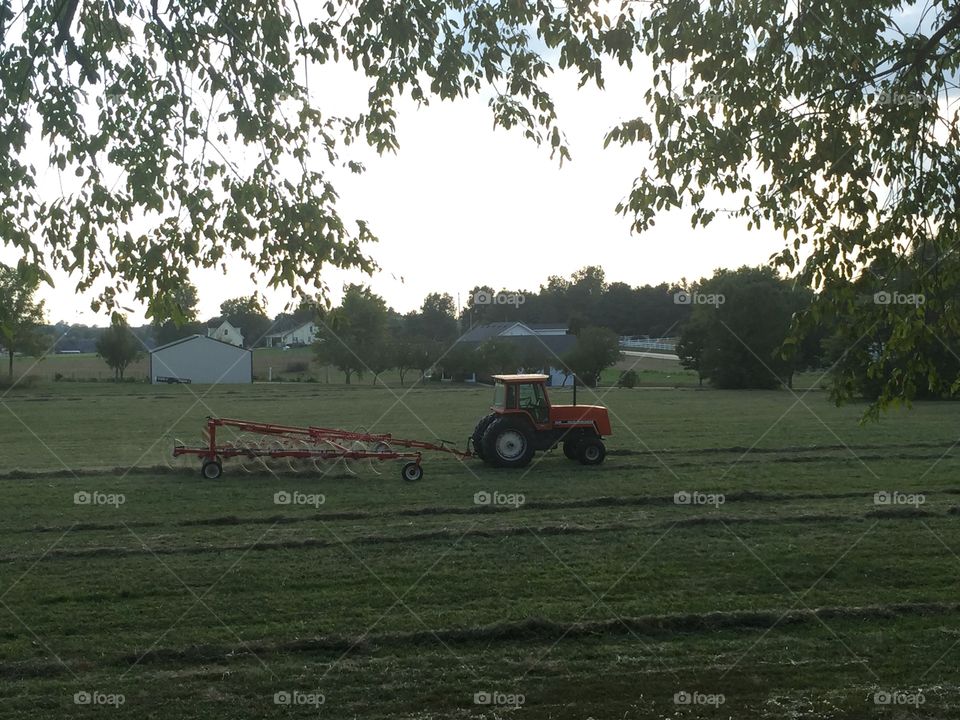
[
  {"x": 226, "y": 332},
  {"x": 305, "y": 334},
  {"x": 199, "y": 359}
]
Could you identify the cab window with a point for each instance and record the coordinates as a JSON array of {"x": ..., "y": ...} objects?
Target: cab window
[
  {"x": 527, "y": 397},
  {"x": 534, "y": 401},
  {"x": 505, "y": 396},
  {"x": 499, "y": 394}
]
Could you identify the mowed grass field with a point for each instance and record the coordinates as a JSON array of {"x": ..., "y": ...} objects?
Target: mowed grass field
[{"x": 782, "y": 590}]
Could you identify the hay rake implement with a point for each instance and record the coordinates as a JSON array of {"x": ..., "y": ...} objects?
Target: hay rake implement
[{"x": 294, "y": 448}]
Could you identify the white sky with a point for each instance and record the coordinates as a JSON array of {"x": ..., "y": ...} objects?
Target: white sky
[{"x": 462, "y": 204}]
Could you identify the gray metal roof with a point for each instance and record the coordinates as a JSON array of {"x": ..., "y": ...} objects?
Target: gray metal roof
[
  {"x": 492, "y": 330},
  {"x": 189, "y": 338},
  {"x": 486, "y": 331},
  {"x": 556, "y": 345}
]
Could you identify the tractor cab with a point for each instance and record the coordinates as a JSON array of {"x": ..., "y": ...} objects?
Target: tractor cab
[
  {"x": 522, "y": 421},
  {"x": 527, "y": 393}
]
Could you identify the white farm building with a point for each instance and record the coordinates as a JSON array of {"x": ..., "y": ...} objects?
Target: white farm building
[{"x": 200, "y": 359}]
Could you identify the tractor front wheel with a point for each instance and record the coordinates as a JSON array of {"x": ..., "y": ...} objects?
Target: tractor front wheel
[
  {"x": 591, "y": 451},
  {"x": 570, "y": 446},
  {"x": 507, "y": 443}
]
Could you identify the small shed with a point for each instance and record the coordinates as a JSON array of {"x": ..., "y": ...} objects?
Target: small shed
[{"x": 201, "y": 359}]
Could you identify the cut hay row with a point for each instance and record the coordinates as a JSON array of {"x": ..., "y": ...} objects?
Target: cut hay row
[
  {"x": 316, "y": 469},
  {"x": 535, "y": 631},
  {"x": 471, "y": 532},
  {"x": 740, "y": 496}
]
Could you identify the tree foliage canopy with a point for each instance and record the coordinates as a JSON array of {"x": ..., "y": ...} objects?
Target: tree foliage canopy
[
  {"x": 118, "y": 346},
  {"x": 436, "y": 320},
  {"x": 247, "y": 314},
  {"x": 20, "y": 314},
  {"x": 834, "y": 122},
  {"x": 740, "y": 322},
  {"x": 596, "y": 350},
  {"x": 184, "y": 320},
  {"x": 885, "y": 351},
  {"x": 827, "y": 120},
  {"x": 141, "y": 105},
  {"x": 353, "y": 338}
]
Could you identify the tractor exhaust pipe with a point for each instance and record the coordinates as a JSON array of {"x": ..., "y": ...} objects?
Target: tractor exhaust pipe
[{"x": 574, "y": 389}]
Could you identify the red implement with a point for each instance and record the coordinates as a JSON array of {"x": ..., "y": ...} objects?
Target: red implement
[{"x": 308, "y": 443}]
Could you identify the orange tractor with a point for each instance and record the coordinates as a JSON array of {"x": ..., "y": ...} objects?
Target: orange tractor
[{"x": 522, "y": 421}]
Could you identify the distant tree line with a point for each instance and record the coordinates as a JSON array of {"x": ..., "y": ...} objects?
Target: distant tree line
[
  {"x": 744, "y": 328},
  {"x": 583, "y": 300},
  {"x": 362, "y": 336},
  {"x": 767, "y": 328},
  {"x": 586, "y": 299}
]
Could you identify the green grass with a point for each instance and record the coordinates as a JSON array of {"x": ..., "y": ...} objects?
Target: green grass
[{"x": 599, "y": 596}]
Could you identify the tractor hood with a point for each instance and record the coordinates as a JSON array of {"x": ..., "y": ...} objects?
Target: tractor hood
[{"x": 575, "y": 415}]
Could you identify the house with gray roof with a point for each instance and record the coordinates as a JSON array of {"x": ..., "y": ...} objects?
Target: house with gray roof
[{"x": 553, "y": 339}]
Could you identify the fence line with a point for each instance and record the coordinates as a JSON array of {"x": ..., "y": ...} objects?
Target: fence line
[{"x": 667, "y": 344}]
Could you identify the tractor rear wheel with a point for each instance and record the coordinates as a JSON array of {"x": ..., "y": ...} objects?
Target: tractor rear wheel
[
  {"x": 477, "y": 437},
  {"x": 591, "y": 451},
  {"x": 507, "y": 443}
]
